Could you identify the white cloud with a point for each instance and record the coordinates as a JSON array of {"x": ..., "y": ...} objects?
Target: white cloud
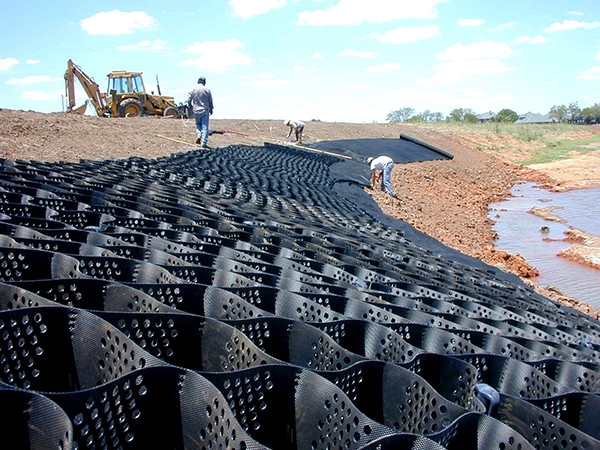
[
  {"x": 479, "y": 50},
  {"x": 590, "y": 74},
  {"x": 597, "y": 57},
  {"x": 34, "y": 79},
  {"x": 155, "y": 45},
  {"x": 32, "y": 61},
  {"x": 387, "y": 67},
  {"x": 356, "y": 54},
  {"x": 404, "y": 35},
  {"x": 454, "y": 72},
  {"x": 567, "y": 24},
  {"x": 249, "y": 8},
  {"x": 506, "y": 26},
  {"x": 576, "y": 13},
  {"x": 216, "y": 56},
  {"x": 539, "y": 39},
  {"x": 471, "y": 22},
  {"x": 464, "y": 61},
  {"x": 43, "y": 96},
  {"x": 316, "y": 56},
  {"x": 352, "y": 12},
  {"x": 117, "y": 22},
  {"x": 7, "y": 63}
]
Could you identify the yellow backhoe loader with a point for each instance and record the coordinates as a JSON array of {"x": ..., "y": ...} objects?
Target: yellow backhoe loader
[{"x": 126, "y": 95}]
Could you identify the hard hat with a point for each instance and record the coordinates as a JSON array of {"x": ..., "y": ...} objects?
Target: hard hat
[{"x": 202, "y": 80}]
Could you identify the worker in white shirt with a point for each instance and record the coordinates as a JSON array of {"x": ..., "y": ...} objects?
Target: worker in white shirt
[
  {"x": 382, "y": 165},
  {"x": 296, "y": 127}
]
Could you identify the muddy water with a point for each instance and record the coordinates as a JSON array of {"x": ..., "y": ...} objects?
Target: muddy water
[{"x": 520, "y": 232}]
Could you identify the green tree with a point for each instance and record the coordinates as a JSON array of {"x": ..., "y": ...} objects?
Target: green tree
[
  {"x": 400, "y": 115},
  {"x": 591, "y": 114},
  {"x": 506, "y": 116},
  {"x": 558, "y": 112},
  {"x": 573, "y": 112},
  {"x": 462, "y": 114}
]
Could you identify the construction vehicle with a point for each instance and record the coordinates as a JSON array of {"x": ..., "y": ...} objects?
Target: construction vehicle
[{"x": 125, "y": 96}]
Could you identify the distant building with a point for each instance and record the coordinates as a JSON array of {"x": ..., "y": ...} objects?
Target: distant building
[
  {"x": 535, "y": 118},
  {"x": 486, "y": 117}
]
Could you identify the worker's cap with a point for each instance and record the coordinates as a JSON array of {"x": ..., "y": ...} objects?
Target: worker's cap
[
  {"x": 369, "y": 159},
  {"x": 286, "y": 121},
  {"x": 202, "y": 80}
]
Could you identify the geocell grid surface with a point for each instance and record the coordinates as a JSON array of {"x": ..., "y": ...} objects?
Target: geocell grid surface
[{"x": 237, "y": 298}]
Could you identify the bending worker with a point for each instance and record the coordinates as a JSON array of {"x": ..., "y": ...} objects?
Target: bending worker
[
  {"x": 383, "y": 164},
  {"x": 296, "y": 127}
]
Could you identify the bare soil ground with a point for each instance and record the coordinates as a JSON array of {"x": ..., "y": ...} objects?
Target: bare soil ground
[{"x": 445, "y": 199}]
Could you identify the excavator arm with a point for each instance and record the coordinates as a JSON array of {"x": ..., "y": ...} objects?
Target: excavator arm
[{"x": 90, "y": 87}]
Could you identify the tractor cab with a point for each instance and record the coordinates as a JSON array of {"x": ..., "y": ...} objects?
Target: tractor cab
[
  {"x": 125, "y": 82},
  {"x": 126, "y": 93}
]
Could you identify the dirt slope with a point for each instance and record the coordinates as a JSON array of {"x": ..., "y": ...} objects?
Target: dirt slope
[{"x": 445, "y": 199}]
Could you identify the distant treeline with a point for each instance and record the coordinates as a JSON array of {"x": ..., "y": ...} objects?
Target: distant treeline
[{"x": 559, "y": 113}]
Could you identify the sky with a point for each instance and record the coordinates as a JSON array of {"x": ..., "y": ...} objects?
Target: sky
[{"x": 329, "y": 60}]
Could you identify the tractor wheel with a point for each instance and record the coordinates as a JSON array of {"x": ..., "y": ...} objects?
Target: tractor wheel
[
  {"x": 171, "y": 111},
  {"x": 130, "y": 108}
]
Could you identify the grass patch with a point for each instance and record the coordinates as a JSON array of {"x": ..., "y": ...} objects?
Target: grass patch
[
  {"x": 542, "y": 143},
  {"x": 562, "y": 149}
]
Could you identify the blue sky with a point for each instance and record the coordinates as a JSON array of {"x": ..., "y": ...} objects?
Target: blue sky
[{"x": 329, "y": 60}]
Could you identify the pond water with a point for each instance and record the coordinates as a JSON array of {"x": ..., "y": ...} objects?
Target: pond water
[{"x": 520, "y": 232}]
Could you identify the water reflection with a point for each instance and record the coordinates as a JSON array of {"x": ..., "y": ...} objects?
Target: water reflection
[{"x": 521, "y": 232}]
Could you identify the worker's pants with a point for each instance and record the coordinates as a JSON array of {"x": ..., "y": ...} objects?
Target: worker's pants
[
  {"x": 299, "y": 131},
  {"x": 202, "y": 126},
  {"x": 386, "y": 179}
]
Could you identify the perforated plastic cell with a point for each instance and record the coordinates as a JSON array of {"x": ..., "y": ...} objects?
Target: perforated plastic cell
[
  {"x": 578, "y": 409},
  {"x": 512, "y": 377},
  {"x": 29, "y": 420},
  {"x": 405, "y": 441},
  {"x": 225, "y": 305},
  {"x": 372, "y": 340},
  {"x": 436, "y": 340},
  {"x": 158, "y": 407},
  {"x": 395, "y": 397},
  {"x": 14, "y": 297},
  {"x": 451, "y": 377},
  {"x": 89, "y": 351},
  {"x": 189, "y": 341},
  {"x": 525, "y": 350},
  {"x": 287, "y": 407},
  {"x": 579, "y": 377},
  {"x": 312, "y": 348},
  {"x": 29, "y": 264},
  {"x": 480, "y": 432},
  {"x": 544, "y": 430},
  {"x": 297, "y": 307}
]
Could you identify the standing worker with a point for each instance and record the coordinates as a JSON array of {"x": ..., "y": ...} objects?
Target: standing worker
[
  {"x": 384, "y": 164},
  {"x": 296, "y": 127},
  {"x": 201, "y": 101}
]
